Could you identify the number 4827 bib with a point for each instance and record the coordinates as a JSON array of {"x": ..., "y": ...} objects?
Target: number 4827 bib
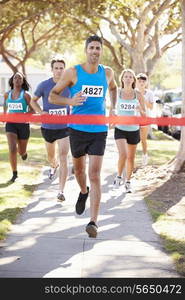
[{"x": 92, "y": 90}]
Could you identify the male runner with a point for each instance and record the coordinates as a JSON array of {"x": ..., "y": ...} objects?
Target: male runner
[
  {"x": 54, "y": 133},
  {"x": 88, "y": 84}
]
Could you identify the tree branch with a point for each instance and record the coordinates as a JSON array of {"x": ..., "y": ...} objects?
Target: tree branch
[{"x": 158, "y": 12}]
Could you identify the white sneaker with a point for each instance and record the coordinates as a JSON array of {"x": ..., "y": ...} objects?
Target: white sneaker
[
  {"x": 144, "y": 159},
  {"x": 61, "y": 197},
  {"x": 117, "y": 182},
  {"x": 52, "y": 172},
  {"x": 128, "y": 187}
]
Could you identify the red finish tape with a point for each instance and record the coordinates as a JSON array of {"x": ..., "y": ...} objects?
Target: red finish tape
[{"x": 89, "y": 119}]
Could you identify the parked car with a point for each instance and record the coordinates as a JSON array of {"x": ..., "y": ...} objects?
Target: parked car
[
  {"x": 172, "y": 95},
  {"x": 168, "y": 96},
  {"x": 172, "y": 110},
  {"x": 163, "y": 109},
  {"x": 175, "y": 108}
]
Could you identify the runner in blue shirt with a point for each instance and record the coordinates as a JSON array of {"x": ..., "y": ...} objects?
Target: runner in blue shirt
[
  {"x": 54, "y": 133},
  {"x": 88, "y": 83}
]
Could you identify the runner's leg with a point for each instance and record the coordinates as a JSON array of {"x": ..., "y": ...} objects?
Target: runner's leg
[
  {"x": 12, "y": 144},
  {"x": 95, "y": 164},
  {"x": 122, "y": 153},
  {"x": 63, "y": 149},
  {"x": 51, "y": 154},
  {"x": 80, "y": 174}
]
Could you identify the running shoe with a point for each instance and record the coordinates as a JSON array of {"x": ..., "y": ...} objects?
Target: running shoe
[
  {"x": 14, "y": 177},
  {"x": 24, "y": 157},
  {"x": 80, "y": 204},
  {"x": 117, "y": 182},
  {"x": 61, "y": 197},
  {"x": 92, "y": 229},
  {"x": 128, "y": 187},
  {"x": 52, "y": 172},
  {"x": 144, "y": 159}
]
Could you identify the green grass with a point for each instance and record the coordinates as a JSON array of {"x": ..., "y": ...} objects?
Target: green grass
[
  {"x": 167, "y": 226},
  {"x": 14, "y": 197},
  {"x": 160, "y": 151},
  {"x": 169, "y": 229}
]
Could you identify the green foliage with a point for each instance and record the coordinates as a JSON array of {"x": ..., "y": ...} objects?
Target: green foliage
[
  {"x": 167, "y": 72},
  {"x": 75, "y": 20}
]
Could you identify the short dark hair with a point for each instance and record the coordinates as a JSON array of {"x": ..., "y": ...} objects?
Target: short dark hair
[
  {"x": 93, "y": 38},
  {"x": 142, "y": 76},
  {"x": 57, "y": 60}
]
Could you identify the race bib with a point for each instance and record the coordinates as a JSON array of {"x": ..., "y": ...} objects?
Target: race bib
[
  {"x": 15, "y": 106},
  {"x": 58, "y": 111},
  {"x": 92, "y": 90},
  {"x": 128, "y": 106}
]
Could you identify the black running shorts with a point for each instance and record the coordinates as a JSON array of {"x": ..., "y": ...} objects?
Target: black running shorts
[
  {"x": 22, "y": 130},
  {"x": 92, "y": 143},
  {"x": 51, "y": 135},
  {"x": 132, "y": 137}
]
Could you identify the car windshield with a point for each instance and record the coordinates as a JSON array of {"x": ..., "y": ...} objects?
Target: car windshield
[{"x": 172, "y": 96}]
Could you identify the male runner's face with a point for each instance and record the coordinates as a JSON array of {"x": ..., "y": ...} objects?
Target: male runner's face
[
  {"x": 58, "y": 69},
  {"x": 93, "y": 52},
  {"x": 141, "y": 83}
]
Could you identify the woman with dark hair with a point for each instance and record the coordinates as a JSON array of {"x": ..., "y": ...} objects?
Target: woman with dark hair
[
  {"x": 130, "y": 102},
  {"x": 17, "y": 100}
]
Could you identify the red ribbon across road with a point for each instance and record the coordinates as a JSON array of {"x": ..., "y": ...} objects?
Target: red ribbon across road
[{"x": 89, "y": 119}]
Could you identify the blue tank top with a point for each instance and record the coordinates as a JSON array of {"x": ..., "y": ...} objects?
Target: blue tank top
[
  {"x": 18, "y": 105},
  {"x": 43, "y": 90},
  {"x": 127, "y": 108},
  {"x": 94, "y": 86}
]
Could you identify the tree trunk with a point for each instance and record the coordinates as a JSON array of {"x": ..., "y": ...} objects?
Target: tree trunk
[
  {"x": 178, "y": 162},
  {"x": 138, "y": 63}
]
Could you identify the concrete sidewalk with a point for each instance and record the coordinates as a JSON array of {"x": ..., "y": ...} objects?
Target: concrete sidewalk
[{"x": 49, "y": 239}]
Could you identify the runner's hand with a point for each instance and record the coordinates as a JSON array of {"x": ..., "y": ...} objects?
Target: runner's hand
[
  {"x": 112, "y": 112},
  {"x": 44, "y": 112},
  {"x": 78, "y": 99}
]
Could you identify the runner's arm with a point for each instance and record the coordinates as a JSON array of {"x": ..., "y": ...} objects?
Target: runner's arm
[
  {"x": 4, "y": 104},
  {"x": 150, "y": 101},
  {"x": 36, "y": 106},
  {"x": 28, "y": 100},
  {"x": 142, "y": 104},
  {"x": 112, "y": 86},
  {"x": 67, "y": 79}
]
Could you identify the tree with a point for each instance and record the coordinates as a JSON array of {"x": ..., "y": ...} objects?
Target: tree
[
  {"x": 40, "y": 23},
  {"x": 10, "y": 19},
  {"x": 178, "y": 162},
  {"x": 33, "y": 34},
  {"x": 137, "y": 28}
]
